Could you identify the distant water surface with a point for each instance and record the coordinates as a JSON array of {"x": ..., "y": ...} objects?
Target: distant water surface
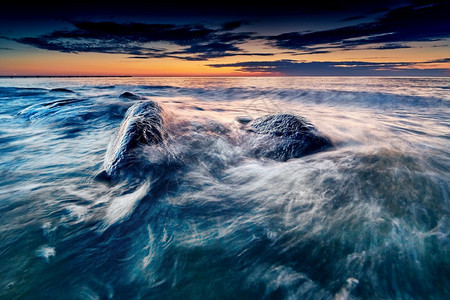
[{"x": 368, "y": 219}]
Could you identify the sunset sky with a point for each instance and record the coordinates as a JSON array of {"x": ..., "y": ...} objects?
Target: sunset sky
[{"x": 380, "y": 38}]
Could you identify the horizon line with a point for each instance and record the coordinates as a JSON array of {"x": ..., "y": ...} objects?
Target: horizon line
[{"x": 207, "y": 76}]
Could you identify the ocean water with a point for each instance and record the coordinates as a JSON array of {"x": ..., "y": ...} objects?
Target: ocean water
[{"x": 368, "y": 219}]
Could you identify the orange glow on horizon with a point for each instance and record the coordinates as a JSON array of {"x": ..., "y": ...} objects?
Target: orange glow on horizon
[
  {"x": 44, "y": 63},
  {"x": 40, "y": 62}
]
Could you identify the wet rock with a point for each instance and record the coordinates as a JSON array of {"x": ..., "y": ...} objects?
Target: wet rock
[
  {"x": 285, "y": 136},
  {"x": 143, "y": 125},
  {"x": 131, "y": 96},
  {"x": 244, "y": 120},
  {"x": 61, "y": 102},
  {"x": 43, "y": 110},
  {"x": 61, "y": 90}
]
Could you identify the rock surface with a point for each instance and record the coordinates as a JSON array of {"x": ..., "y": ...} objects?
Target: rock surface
[
  {"x": 61, "y": 90},
  {"x": 279, "y": 137},
  {"x": 61, "y": 102},
  {"x": 143, "y": 125},
  {"x": 130, "y": 96},
  {"x": 244, "y": 120},
  {"x": 285, "y": 136}
]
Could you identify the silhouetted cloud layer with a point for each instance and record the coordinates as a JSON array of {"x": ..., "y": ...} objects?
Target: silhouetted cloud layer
[
  {"x": 397, "y": 28},
  {"x": 414, "y": 23},
  {"x": 331, "y": 68},
  {"x": 200, "y": 42}
]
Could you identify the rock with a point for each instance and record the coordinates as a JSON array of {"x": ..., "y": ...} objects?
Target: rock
[
  {"x": 61, "y": 90},
  {"x": 143, "y": 125},
  {"x": 285, "y": 136},
  {"x": 61, "y": 102},
  {"x": 44, "y": 110},
  {"x": 244, "y": 120},
  {"x": 131, "y": 96}
]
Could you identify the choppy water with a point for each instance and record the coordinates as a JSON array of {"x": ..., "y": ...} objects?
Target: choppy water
[{"x": 368, "y": 219}]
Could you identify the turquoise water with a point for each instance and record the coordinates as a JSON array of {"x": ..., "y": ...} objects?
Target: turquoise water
[{"x": 368, "y": 219}]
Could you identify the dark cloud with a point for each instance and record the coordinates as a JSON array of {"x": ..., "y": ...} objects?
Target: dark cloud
[
  {"x": 118, "y": 33},
  {"x": 378, "y": 10},
  {"x": 233, "y": 25},
  {"x": 353, "y": 18},
  {"x": 406, "y": 22},
  {"x": 138, "y": 32},
  {"x": 308, "y": 52},
  {"x": 238, "y": 37},
  {"x": 390, "y": 46},
  {"x": 211, "y": 50},
  {"x": 442, "y": 60},
  {"x": 323, "y": 50},
  {"x": 200, "y": 42},
  {"x": 328, "y": 68},
  {"x": 109, "y": 46},
  {"x": 414, "y": 23}
]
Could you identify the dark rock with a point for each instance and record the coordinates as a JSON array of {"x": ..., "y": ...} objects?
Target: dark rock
[
  {"x": 103, "y": 176},
  {"x": 61, "y": 102},
  {"x": 61, "y": 90},
  {"x": 143, "y": 125},
  {"x": 131, "y": 96},
  {"x": 285, "y": 136},
  {"x": 244, "y": 120}
]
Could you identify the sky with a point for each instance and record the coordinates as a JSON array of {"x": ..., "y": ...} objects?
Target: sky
[{"x": 280, "y": 38}]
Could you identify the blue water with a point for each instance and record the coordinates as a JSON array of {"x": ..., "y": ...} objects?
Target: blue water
[{"x": 368, "y": 219}]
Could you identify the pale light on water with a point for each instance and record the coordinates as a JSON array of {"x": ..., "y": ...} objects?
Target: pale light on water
[{"x": 367, "y": 219}]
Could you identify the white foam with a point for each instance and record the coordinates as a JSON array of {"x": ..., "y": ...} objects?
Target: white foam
[
  {"x": 46, "y": 252},
  {"x": 121, "y": 207},
  {"x": 344, "y": 292},
  {"x": 77, "y": 213},
  {"x": 149, "y": 248}
]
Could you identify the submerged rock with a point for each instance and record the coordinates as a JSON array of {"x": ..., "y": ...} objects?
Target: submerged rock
[
  {"x": 61, "y": 90},
  {"x": 131, "y": 96},
  {"x": 143, "y": 125},
  {"x": 244, "y": 120},
  {"x": 61, "y": 102},
  {"x": 42, "y": 110},
  {"x": 285, "y": 136}
]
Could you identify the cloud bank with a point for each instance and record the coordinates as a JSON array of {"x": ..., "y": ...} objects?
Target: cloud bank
[
  {"x": 414, "y": 23},
  {"x": 402, "y": 26},
  {"x": 289, "y": 67},
  {"x": 198, "y": 42},
  {"x": 393, "y": 30}
]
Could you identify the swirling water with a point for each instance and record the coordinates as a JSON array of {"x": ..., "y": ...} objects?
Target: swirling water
[{"x": 368, "y": 219}]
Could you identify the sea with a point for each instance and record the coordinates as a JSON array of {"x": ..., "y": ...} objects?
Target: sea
[{"x": 366, "y": 219}]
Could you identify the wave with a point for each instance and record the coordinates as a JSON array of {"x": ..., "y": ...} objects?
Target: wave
[
  {"x": 122, "y": 206},
  {"x": 202, "y": 214}
]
